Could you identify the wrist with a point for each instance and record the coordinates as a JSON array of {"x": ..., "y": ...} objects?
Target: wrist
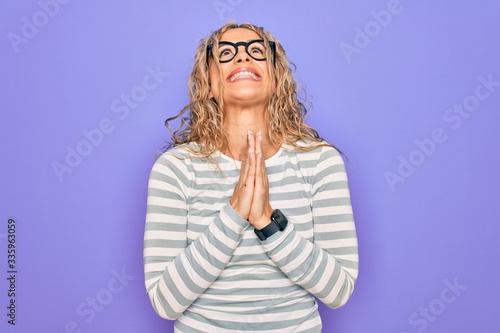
[
  {"x": 264, "y": 220},
  {"x": 278, "y": 223}
]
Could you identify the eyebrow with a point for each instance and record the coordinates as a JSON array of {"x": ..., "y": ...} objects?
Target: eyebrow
[{"x": 246, "y": 41}]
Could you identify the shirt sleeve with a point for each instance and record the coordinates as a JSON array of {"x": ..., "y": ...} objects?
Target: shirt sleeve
[
  {"x": 177, "y": 273},
  {"x": 327, "y": 267}
]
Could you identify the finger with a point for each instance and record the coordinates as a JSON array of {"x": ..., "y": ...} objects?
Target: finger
[
  {"x": 258, "y": 211},
  {"x": 251, "y": 157},
  {"x": 245, "y": 165},
  {"x": 258, "y": 143},
  {"x": 258, "y": 156},
  {"x": 251, "y": 143},
  {"x": 262, "y": 162},
  {"x": 242, "y": 197},
  {"x": 260, "y": 192}
]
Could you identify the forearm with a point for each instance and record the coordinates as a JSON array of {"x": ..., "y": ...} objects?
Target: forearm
[
  {"x": 323, "y": 260},
  {"x": 174, "y": 283},
  {"x": 328, "y": 277}
]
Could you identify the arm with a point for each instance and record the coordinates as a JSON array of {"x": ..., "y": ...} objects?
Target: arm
[
  {"x": 176, "y": 273},
  {"x": 327, "y": 267}
]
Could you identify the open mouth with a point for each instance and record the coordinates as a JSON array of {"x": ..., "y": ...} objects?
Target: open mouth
[{"x": 243, "y": 74}]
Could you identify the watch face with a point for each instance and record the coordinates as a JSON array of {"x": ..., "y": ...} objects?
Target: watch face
[{"x": 279, "y": 218}]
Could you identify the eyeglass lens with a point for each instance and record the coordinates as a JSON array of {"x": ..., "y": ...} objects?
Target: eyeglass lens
[{"x": 255, "y": 49}]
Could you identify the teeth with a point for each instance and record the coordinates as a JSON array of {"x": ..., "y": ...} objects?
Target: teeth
[{"x": 240, "y": 74}]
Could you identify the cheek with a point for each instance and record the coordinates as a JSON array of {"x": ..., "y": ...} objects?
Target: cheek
[{"x": 268, "y": 78}]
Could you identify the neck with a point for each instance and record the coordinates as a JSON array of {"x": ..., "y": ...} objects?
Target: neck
[{"x": 236, "y": 124}]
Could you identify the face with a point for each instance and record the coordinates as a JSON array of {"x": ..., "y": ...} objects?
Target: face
[{"x": 245, "y": 80}]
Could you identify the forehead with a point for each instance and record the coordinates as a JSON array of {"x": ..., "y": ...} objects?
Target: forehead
[{"x": 239, "y": 35}]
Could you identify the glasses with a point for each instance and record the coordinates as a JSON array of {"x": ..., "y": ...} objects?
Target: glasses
[{"x": 256, "y": 49}]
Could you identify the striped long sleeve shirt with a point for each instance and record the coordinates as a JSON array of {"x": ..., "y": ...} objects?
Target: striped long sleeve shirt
[{"x": 206, "y": 268}]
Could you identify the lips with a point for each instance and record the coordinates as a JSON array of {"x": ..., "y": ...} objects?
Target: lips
[{"x": 243, "y": 73}]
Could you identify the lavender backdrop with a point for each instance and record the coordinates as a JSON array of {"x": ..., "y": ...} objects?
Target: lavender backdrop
[{"x": 409, "y": 90}]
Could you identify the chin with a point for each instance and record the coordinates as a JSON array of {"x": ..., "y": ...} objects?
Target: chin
[
  {"x": 256, "y": 93},
  {"x": 253, "y": 97}
]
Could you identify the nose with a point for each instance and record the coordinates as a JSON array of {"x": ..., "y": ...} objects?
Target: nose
[{"x": 242, "y": 55}]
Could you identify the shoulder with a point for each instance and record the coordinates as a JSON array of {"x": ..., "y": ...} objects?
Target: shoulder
[
  {"x": 313, "y": 150},
  {"x": 173, "y": 168},
  {"x": 177, "y": 159},
  {"x": 313, "y": 160},
  {"x": 323, "y": 164},
  {"x": 185, "y": 150}
]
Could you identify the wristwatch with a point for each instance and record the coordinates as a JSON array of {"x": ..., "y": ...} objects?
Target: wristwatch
[{"x": 278, "y": 223}]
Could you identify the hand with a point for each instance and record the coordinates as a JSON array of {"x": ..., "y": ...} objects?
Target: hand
[{"x": 251, "y": 194}]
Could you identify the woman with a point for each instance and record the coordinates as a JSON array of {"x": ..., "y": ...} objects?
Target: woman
[{"x": 249, "y": 215}]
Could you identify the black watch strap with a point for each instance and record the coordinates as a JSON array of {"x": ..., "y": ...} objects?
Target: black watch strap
[{"x": 278, "y": 223}]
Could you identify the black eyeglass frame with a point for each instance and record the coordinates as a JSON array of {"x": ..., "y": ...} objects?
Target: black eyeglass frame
[{"x": 272, "y": 45}]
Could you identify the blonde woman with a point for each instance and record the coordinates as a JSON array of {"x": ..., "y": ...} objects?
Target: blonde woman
[{"x": 249, "y": 215}]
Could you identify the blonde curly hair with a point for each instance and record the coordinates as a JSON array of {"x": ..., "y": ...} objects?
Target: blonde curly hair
[{"x": 204, "y": 125}]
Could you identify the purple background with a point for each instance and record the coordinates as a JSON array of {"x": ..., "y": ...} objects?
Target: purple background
[{"x": 76, "y": 231}]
